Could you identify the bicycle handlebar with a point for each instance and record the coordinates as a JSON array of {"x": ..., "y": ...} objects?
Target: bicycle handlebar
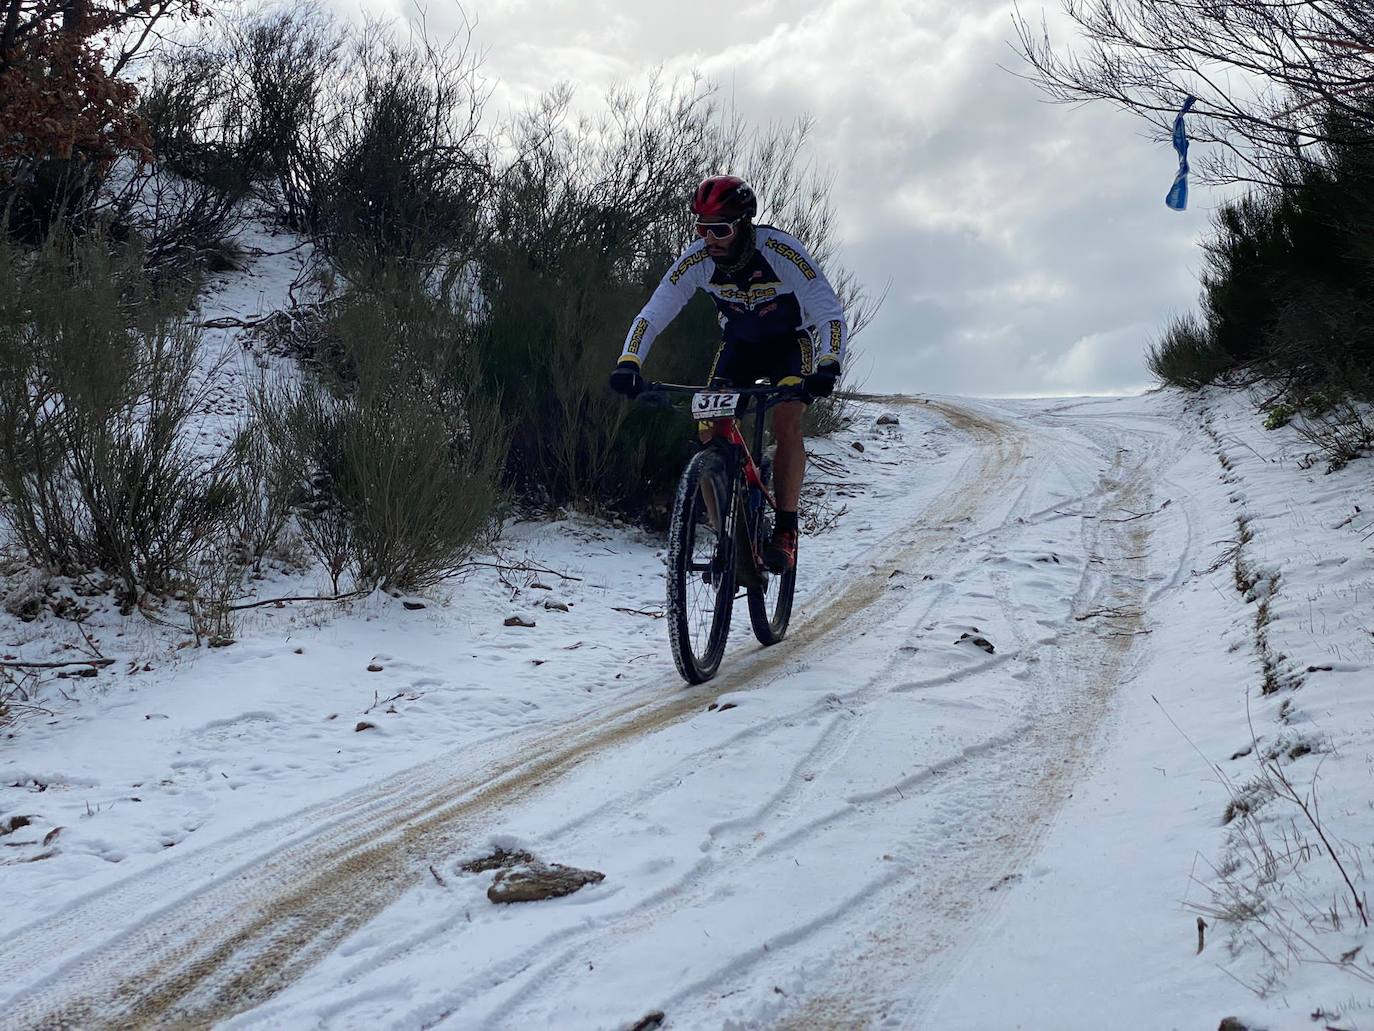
[
  {"x": 682, "y": 388},
  {"x": 655, "y": 395}
]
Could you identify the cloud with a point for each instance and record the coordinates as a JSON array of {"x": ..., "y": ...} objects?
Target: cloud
[{"x": 1027, "y": 244}]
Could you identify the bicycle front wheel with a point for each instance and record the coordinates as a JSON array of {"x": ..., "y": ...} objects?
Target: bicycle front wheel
[{"x": 701, "y": 568}]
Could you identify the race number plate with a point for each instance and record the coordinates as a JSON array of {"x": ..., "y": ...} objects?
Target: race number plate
[{"x": 715, "y": 404}]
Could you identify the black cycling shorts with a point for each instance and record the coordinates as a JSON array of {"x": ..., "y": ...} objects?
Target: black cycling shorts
[{"x": 779, "y": 360}]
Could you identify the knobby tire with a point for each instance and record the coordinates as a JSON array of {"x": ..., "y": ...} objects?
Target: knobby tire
[
  {"x": 697, "y": 648},
  {"x": 770, "y": 606},
  {"x": 769, "y": 616}
]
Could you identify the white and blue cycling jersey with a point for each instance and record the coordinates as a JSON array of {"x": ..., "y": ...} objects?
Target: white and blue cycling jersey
[{"x": 776, "y": 294}]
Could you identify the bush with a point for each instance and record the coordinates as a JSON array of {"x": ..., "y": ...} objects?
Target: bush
[
  {"x": 99, "y": 384},
  {"x": 396, "y": 469},
  {"x": 289, "y": 62},
  {"x": 585, "y": 223},
  {"x": 1242, "y": 258},
  {"x": 825, "y": 416},
  {"x": 1279, "y": 416},
  {"x": 1289, "y": 286},
  {"x": 370, "y": 144},
  {"x": 1187, "y": 356},
  {"x": 207, "y": 154},
  {"x": 1341, "y": 433},
  {"x": 199, "y": 113},
  {"x": 406, "y": 170}
]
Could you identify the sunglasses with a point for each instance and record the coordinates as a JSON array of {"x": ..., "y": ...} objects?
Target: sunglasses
[{"x": 717, "y": 230}]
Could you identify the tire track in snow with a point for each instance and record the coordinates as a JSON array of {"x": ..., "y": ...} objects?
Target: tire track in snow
[
  {"x": 532, "y": 973},
  {"x": 533, "y": 977},
  {"x": 920, "y": 925},
  {"x": 739, "y": 845},
  {"x": 204, "y": 952}
]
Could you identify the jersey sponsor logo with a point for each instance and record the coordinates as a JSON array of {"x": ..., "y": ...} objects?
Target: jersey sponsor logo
[
  {"x": 687, "y": 264},
  {"x": 790, "y": 253},
  {"x": 751, "y": 296},
  {"x": 804, "y": 342},
  {"x": 637, "y": 337},
  {"x": 835, "y": 336}
]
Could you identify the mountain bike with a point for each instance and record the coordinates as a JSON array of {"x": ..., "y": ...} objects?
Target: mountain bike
[{"x": 722, "y": 517}]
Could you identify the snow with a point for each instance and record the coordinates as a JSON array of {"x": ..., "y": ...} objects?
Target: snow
[
  {"x": 1106, "y": 918},
  {"x": 881, "y": 821}
]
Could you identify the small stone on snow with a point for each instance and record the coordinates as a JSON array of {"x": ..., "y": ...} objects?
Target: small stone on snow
[
  {"x": 981, "y": 642},
  {"x": 536, "y": 881}
]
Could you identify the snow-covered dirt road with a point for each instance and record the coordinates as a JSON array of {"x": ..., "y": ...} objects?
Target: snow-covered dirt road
[
  {"x": 809, "y": 839},
  {"x": 980, "y": 784}
]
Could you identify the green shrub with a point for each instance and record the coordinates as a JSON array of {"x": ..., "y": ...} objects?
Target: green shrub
[
  {"x": 584, "y": 225},
  {"x": 1187, "y": 356},
  {"x": 396, "y": 470},
  {"x": 186, "y": 204},
  {"x": 1242, "y": 259},
  {"x": 363, "y": 139},
  {"x": 1279, "y": 416},
  {"x": 291, "y": 60},
  {"x": 100, "y": 390},
  {"x": 1316, "y": 404},
  {"x": 545, "y": 352},
  {"x": 406, "y": 168},
  {"x": 1290, "y": 273}
]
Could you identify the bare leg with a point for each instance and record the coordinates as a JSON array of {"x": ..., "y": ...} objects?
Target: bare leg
[{"x": 789, "y": 463}]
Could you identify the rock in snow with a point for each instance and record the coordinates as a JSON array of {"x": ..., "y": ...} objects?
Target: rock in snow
[{"x": 535, "y": 881}]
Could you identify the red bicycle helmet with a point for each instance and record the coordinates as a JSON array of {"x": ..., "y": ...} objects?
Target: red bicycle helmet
[{"x": 724, "y": 197}]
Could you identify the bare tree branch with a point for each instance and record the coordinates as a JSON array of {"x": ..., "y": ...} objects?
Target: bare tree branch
[{"x": 1272, "y": 79}]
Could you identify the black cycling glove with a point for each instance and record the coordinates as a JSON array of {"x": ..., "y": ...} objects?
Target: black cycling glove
[
  {"x": 627, "y": 380},
  {"x": 821, "y": 383}
]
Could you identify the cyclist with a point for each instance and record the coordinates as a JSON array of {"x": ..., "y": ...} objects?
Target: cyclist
[{"x": 776, "y": 309}]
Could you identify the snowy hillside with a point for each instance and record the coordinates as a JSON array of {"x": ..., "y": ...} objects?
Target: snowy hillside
[{"x": 1065, "y": 676}]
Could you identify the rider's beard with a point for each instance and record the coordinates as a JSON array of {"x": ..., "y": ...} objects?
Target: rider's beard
[{"x": 737, "y": 252}]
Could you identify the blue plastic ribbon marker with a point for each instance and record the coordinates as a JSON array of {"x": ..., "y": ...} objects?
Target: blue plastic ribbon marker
[{"x": 1178, "y": 193}]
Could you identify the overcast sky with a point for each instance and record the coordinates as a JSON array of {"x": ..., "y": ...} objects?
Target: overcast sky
[{"x": 1027, "y": 244}]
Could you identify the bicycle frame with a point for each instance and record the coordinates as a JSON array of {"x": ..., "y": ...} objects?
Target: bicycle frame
[
  {"x": 724, "y": 486},
  {"x": 727, "y": 431},
  {"x": 730, "y": 433}
]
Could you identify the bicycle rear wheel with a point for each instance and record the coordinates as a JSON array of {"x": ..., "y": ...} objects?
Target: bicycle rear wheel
[
  {"x": 770, "y": 604},
  {"x": 701, "y": 568}
]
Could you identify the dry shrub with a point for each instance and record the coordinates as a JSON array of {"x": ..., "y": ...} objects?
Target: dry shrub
[
  {"x": 100, "y": 387},
  {"x": 396, "y": 470}
]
